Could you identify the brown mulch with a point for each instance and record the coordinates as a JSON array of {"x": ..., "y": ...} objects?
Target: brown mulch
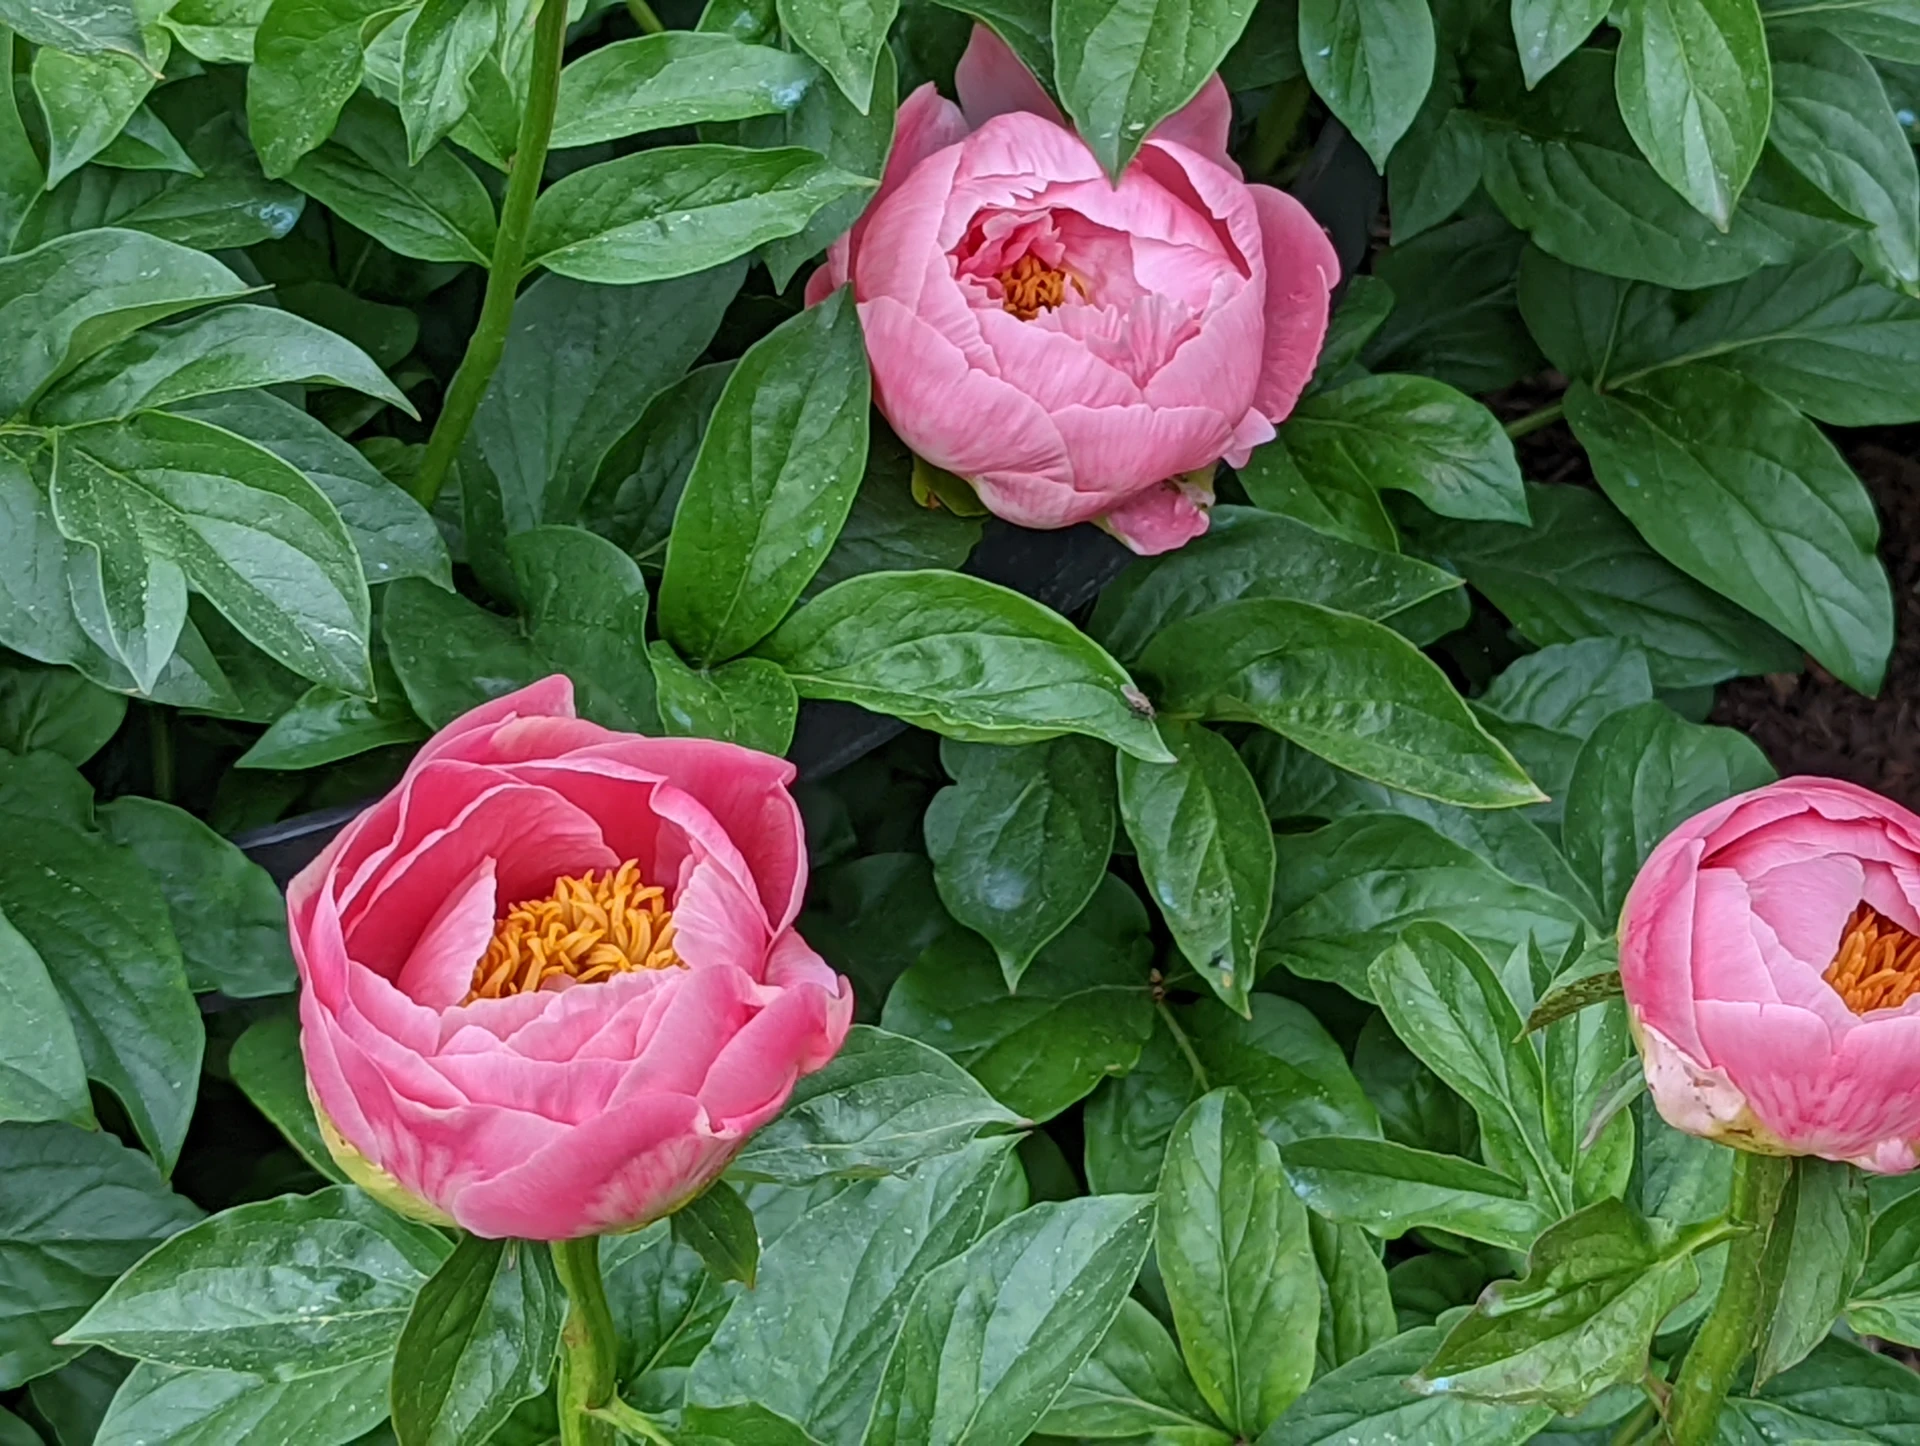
[{"x": 1811, "y": 723}]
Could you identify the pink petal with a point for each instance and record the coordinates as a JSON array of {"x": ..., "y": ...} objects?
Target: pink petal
[
  {"x": 551, "y": 697},
  {"x": 1656, "y": 941},
  {"x": 439, "y": 971},
  {"x": 992, "y": 82},
  {"x": 1203, "y": 125},
  {"x": 753, "y": 1075},
  {"x": 1118, "y": 451},
  {"x": 1780, "y": 1056},
  {"x": 1252, "y": 430},
  {"x": 1690, "y": 1096},
  {"x": 1301, "y": 271},
  {"x": 1157, "y": 520}
]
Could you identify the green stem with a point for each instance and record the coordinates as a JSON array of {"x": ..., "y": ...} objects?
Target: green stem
[
  {"x": 644, "y": 17},
  {"x": 489, "y": 338},
  {"x": 589, "y": 1345},
  {"x": 1534, "y": 421},
  {"x": 1186, "y": 1047},
  {"x": 641, "y": 1427},
  {"x": 1701, "y": 1385},
  {"x": 1635, "y": 1426}
]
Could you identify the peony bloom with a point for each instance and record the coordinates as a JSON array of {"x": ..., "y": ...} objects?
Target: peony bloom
[
  {"x": 551, "y": 980},
  {"x": 1072, "y": 348},
  {"x": 1770, "y": 952}
]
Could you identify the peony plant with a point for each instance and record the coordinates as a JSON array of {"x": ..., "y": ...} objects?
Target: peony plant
[{"x": 777, "y": 723}]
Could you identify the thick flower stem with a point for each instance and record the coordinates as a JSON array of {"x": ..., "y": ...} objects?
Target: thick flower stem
[
  {"x": 589, "y": 1346},
  {"x": 1700, "y": 1388},
  {"x": 489, "y": 338}
]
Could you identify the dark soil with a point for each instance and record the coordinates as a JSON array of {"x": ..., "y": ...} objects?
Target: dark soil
[{"x": 1810, "y": 722}]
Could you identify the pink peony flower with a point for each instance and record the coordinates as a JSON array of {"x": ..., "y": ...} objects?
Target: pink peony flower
[
  {"x": 551, "y": 980},
  {"x": 1076, "y": 349},
  {"x": 1770, "y": 952}
]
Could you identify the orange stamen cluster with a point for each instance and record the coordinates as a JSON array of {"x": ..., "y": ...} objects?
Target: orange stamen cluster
[
  {"x": 588, "y": 930},
  {"x": 1033, "y": 287},
  {"x": 1878, "y": 963}
]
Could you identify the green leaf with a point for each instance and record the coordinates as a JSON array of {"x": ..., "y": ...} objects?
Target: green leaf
[
  {"x": 738, "y": 1425},
  {"x": 1548, "y": 31},
  {"x": 443, "y": 46},
  {"x": 265, "y": 1063},
  {"x": 42, "y": 1076},
  {"x": 78, "y": 294},
  {"x": 282, "y": 1288},
  {"x": 1414, "y": 434},
  {"x": 1344, "y": 892},
  {"x": 811, "y": 1339},
  {"x": 1352, "y": 691},
  {"x": 718, "y": 1227},
  {"x": 227, "y": 912},
  {"x": 451, "y": 654},
  {"x": 1134, "y": 1384},
  {"x": 1695, "y": 91},
  {"x": 479, "y": 1340},
  {"x": 1390, "y": 1189},
  {"x": 99, "y": 922},
  {"x": 83, "y": 27},
  {"x": 145, "y": 144},
  {"x": 1642, "y": 773},
  {"x": 435, "y": 211},
  {"x": 676, "y": 210},
  {"x": 1249, "y": 553},
  {"x": 325, "y": 725},
  {"x": 1123, "y": 69},
  {"x": 678, "y": 78},
  {"x": 772, "y": 485},
  {"x": 307, "y": 60},
  {"x": 571, "y": 381},
  {"x": 1356, "y": 1299},
  {"x": 992, "y": 1337},
  {"x": 167, "y": 503},
  {"x": 1597, "y": 1286},
  {"x": 87, "y": 100},
  {"x": 824, "y": 120},
  {"x": 1832, "y": 120},
  {"x": 1371, "y": 63},
  {"x": 1884, "y": 28},
  {"x": 1435, "y": 168},
  {"x": 638, "y": 483},
  {"x": 164, "y": 1406},
  {"x": 1231, "y": 1240},
  {"x": 1026, "y": 26},
  {"x": 225, "y": 350},
  {"x": 1561, "y": 167},
  {"x": 73, "y": 1400},
  {"x": 887, "y": 531},
  {"x": 1841, "y": 1393},
  {"x": 1580, "y": 571},
  {"x": 845, "y": 36},
  {"x": 1020, "y": 839},
  {"x": 585, "y": 609},
  {"x": 1450, "y": 1008},
  {"x": 1714, "y": 472},
  {"x": 1367, "y": 1403},
  {"x": 1885, "y": 1301},
  {"x": 1282, "y": 1059},
  {"x": 76, "y": 1208},
  {"x": 1816, "y": 1246},
  {"x": 1339, "y": 502},
  {"x": 1084, "y": 1010},
  {"x": 1455, "y": 317},
  {"x": 1205, "y": 849},
  {"x": 885, "y": 1102},
  {"x": 748, "y": 701},
  {"x": 1546, "y": 704},
  {"x": 965, "y": 658},
  {"x": 58, "y": 711},
  {"x": 391, "y": 532},
  {"x": 15, "y": 1432}
]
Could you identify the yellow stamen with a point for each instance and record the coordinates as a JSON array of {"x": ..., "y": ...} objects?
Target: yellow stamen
[
  {"x": 1877, "y": 965},
  {"x": 588, "y": 930},
  {"x": 1033, "y": 287}
]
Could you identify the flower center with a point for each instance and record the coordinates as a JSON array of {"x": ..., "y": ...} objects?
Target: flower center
[
  {"x": 1032, "y": 287},
  {"x": 1877, "y": 965},
  {"x": 587, "y": 930}
]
